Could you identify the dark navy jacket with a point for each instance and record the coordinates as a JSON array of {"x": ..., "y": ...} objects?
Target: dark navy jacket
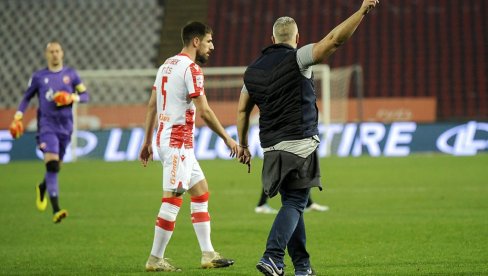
[{"x": 286, "y": 99}]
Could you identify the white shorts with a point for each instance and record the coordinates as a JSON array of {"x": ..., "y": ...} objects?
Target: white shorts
[{"x": 181, "y": 170}]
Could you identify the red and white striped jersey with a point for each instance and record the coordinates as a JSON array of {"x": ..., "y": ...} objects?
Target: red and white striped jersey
[{"x": 178, "y": 80}]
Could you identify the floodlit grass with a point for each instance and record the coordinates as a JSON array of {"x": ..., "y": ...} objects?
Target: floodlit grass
[{"x": 389, "y": 216}]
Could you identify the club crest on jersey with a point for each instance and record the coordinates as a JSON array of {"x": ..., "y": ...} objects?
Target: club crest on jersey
[
  {"x": 66, "y": 79},
  {"x": 46, "y": 80}
]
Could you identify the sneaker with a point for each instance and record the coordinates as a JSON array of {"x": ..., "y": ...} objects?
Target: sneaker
[
  {"x": 265, "y": 209},
  {"x": 269, "y": 268},
  {"x": 160, "y": 264},
  {"x": 308, "y": 272},
  {"x": 41, "y": 204},
  {"x": 317, "y": 207},
  {"x": 60, "y": 215},
  {"x": 212, "y": 259}
]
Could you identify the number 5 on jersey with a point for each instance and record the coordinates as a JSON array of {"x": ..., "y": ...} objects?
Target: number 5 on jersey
[{"x": 164, "y": 80}]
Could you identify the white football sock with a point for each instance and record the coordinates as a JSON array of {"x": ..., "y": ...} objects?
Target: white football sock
[{"x": 165, "y": 224}]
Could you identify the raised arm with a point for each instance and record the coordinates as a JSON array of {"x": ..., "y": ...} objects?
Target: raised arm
[{"x": 333, "y": 40}]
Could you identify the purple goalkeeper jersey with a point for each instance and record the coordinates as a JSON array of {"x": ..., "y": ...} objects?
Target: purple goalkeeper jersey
[{"x": 44, "y": 84}]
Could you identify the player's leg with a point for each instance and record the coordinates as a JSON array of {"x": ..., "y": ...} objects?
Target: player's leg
[
  {"x": 41, "y": 200},
  {"x": 201, "y": 218},
  {"x": 50, "y": 145},
  {"x": 163, "y": 230},
  {"x": 199, "y": 214},
  {"x": 168, "y": 212}
]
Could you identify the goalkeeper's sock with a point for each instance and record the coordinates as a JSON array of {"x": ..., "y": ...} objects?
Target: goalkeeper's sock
[
  {"x": 54, "y": 204},
  {"x": 42, "y": 189}
]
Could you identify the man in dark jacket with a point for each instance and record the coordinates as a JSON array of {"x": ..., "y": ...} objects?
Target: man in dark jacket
[{"x": 280, "y": 83}]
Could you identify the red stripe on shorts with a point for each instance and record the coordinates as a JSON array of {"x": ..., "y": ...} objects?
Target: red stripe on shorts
[{"x": 200, "y": 217}]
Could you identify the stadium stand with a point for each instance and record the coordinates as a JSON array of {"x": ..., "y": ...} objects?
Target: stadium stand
[
  {"x": 96, "y": 35},
  {"x": 435, "y": 48}
]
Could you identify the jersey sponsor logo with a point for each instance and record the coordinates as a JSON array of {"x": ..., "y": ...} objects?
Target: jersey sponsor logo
[
  {"x": 46, "y": 80},
  {"x": 164, "y": 118},
  {"x": 49, "y": 95},
  {"x": 174, "y": 167},
  {"x": 66, "y": 79}
]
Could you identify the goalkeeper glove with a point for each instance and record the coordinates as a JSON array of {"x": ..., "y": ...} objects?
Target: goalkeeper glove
[
  {"x": 62, "y": 98},
  {"x": 17, "y": 127}
]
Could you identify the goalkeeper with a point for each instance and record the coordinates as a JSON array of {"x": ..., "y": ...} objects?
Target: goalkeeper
[{"x": 57, "y": 87}]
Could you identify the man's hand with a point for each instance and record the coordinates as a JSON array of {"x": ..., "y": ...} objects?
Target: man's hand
[
  {"x": 232, "y": 144},
  {"x": 368, "y": 5},
  {"x": 244, "y": 156},
  {"x": 62, "y": 98},
  {"x": 146, "y": 154}
]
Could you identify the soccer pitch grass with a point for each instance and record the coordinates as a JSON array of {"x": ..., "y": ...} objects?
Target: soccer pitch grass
[{"x": 388, "y": 216}]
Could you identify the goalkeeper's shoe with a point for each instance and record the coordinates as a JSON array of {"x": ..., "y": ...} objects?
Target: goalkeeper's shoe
[
  {"x": 212, "y": 259},
  {"x": 41, "y": 200},
  {"x": 160, "y": 264},
  {"x": 60, "y": 215}
]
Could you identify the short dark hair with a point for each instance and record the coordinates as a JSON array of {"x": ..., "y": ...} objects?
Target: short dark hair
[{"x": 194, "y": 29}]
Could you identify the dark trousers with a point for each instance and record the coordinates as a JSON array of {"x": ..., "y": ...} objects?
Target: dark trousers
[{"x": 288, "y": 230}]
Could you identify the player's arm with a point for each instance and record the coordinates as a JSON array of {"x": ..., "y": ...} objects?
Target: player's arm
[
  {"x": 209, "y": 117},
  {"x": 17, "y": 127},
  {"x": 146, "y": 150},
  {"x": 333, "y": 40},
  {"x": 244, "y": 110},
  {"x": 80, "y": 94}
]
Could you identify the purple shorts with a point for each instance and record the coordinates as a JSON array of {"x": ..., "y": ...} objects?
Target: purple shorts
[{"x": 50, "y": 142}]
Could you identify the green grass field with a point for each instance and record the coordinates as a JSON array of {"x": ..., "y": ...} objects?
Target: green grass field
[{"x": 421, "y": 215}]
